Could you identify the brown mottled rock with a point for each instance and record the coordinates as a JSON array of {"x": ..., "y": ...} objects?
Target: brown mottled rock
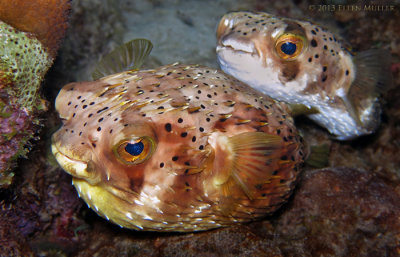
[
  {"x": 12, "y": 243},
  {"x": 342, "y": 212}
]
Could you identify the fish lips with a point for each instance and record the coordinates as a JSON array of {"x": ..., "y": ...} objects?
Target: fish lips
[
  {"x": 232, "y": 58},
  {"x": 77, "y": 168}
]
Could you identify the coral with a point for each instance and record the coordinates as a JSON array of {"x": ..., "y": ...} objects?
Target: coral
[
  {"x": 43, "y": 18},
  {"x": 16, "y": 128},
  {"x": 30, "y": 32},
  {"x": 24, "y": 63}
]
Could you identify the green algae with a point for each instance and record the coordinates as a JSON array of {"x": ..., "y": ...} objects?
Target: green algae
[{"x": 25, "y": 61}]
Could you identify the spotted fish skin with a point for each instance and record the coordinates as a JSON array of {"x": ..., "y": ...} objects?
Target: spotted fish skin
[
  {"x": 199, "y": 118},
  {"x": 323, "y": 75}
]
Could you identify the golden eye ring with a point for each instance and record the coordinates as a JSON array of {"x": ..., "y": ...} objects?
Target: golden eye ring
[
  {"x": 289, "y": 46},
  {"x": 134, "y": 151}
]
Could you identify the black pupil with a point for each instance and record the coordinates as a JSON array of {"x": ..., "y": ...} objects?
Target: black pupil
[
  {"x": 288, "y": 48},
  {"x": 134, "y": 149}
]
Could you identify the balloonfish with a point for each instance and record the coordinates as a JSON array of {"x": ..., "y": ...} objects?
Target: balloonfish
[
  {"x": 176, "y": 148},
  {"x": 301, "y": 63}
]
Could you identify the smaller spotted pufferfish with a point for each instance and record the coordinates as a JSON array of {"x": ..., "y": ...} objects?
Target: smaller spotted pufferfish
[
  {"x": 177, "y": 148},
  {"x": 302, "y": 63}
]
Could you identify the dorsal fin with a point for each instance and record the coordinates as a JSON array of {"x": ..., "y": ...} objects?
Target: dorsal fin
[
  {"x": 373, "y": 77},
  {"x": 130, "y": 55}
]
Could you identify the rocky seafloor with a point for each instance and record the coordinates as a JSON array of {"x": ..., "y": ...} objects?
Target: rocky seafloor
[{"x": 350, "y": 208}]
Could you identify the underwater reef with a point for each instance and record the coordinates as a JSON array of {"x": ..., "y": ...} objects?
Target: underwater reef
[
  {"x": 349, "y": 208},
  {"x": 30, "y": 34}
]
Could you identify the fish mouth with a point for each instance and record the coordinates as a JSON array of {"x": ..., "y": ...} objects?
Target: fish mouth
[
  {"x": 74, "y": 167},
  {"x": 236, "y": 46}
]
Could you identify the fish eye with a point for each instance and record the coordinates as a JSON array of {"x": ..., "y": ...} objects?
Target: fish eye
[
  {"x": 134, "y": 151},
  {"x": 289, "y": 46}
]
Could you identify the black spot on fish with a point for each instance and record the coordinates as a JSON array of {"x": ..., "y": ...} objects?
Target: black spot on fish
[
  {"x": 175, "y": 158},
  {"x": 168, "y": 127},
  {"x": 194, "y": 139},
  {"x": 102, "y": 110},
  {"x": 161, "y": 165},
  {"x": 180, "y": 120},
  {"x": 184, "y": 134},
  {"x": 314, "y": 43}
]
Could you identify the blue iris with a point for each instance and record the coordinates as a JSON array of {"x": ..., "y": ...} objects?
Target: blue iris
[
  {"x": 134, "y": 149},
  {"x": 288, "y": 48}
]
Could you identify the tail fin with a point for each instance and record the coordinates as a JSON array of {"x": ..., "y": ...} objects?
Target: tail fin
[{"x": 373, "y": 77}]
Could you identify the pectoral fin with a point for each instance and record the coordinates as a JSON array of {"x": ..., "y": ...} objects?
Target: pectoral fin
[
  {"x": 301, "y": 109},
  {"x": 247, "y": 157}
]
